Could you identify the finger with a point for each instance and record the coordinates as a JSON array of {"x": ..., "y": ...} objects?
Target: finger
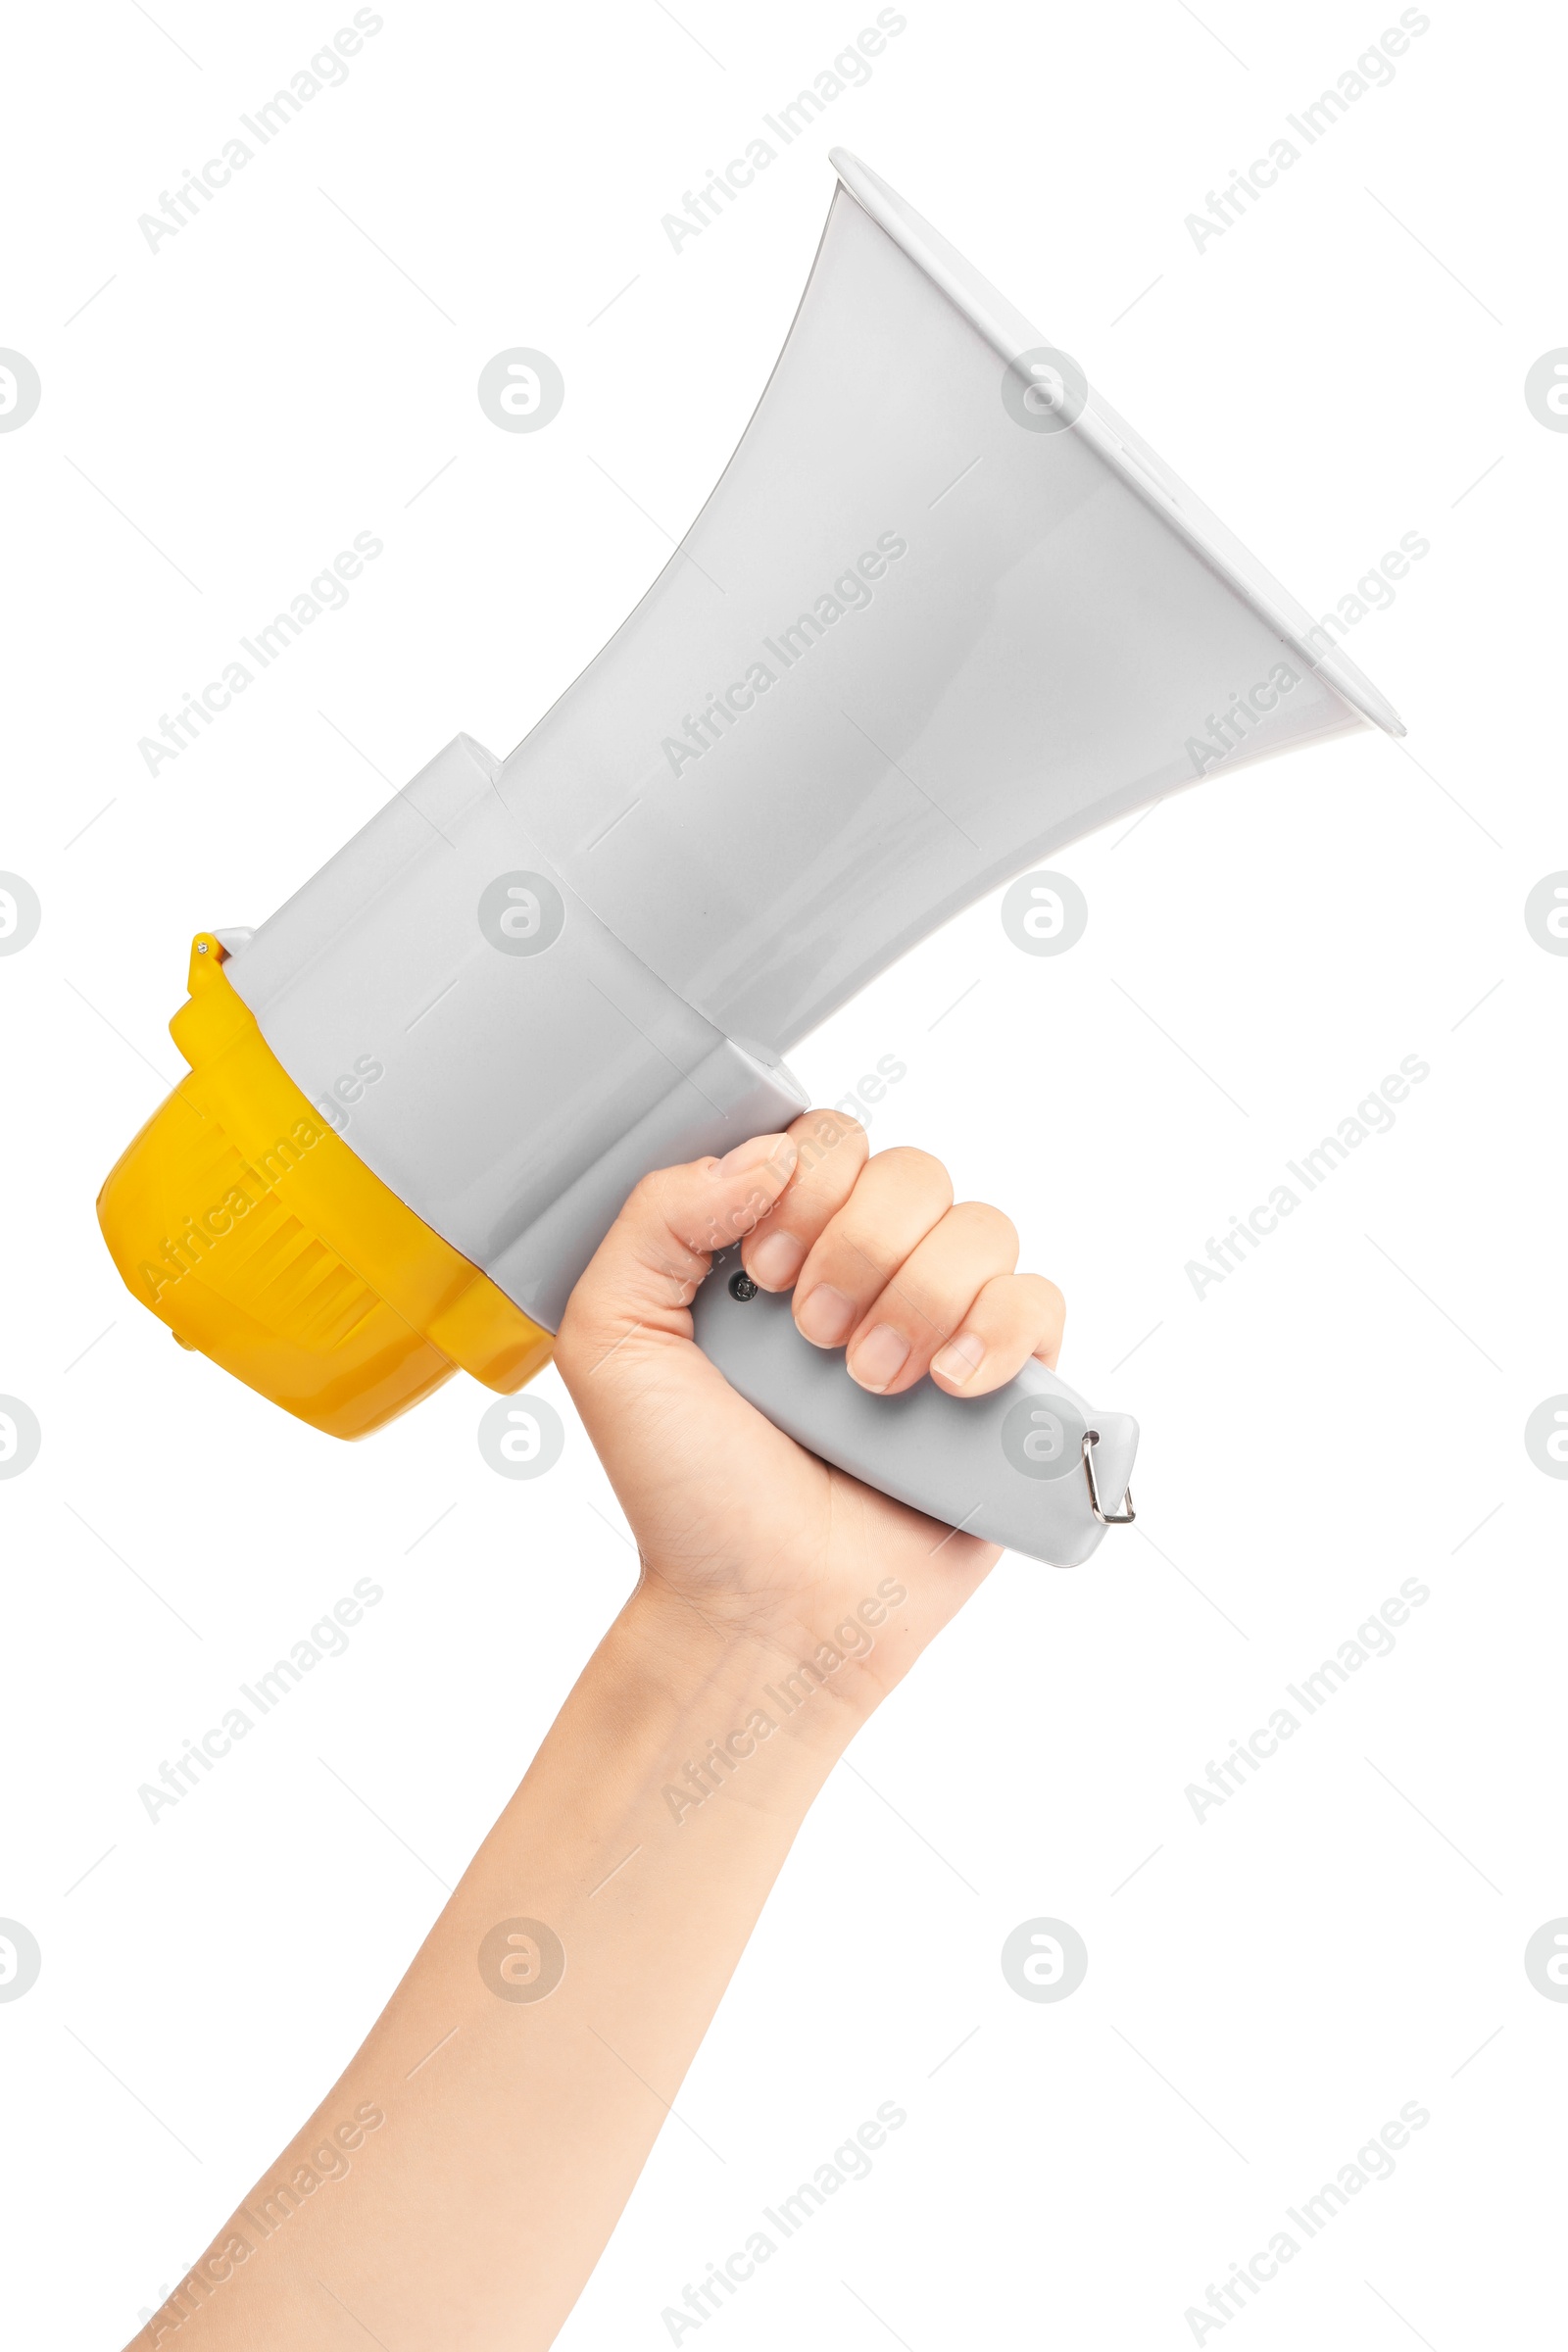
[
  {"x": 833, "y": 1150},
  {"x": 1014, "y": 1317},
  {"x": 900, "y": 1196},
  {"x": 646, "y": 1270},
  {"x": 928, "y": 1298}
]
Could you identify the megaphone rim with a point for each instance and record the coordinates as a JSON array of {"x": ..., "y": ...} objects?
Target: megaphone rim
[{"x": 1125, "y": 451}]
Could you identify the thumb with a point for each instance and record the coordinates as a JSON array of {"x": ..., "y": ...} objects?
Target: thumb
[{"x": 644, "y": 1272}]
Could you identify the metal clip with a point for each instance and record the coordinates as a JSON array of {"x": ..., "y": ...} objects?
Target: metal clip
[{"x": 1105, "y": 1518}]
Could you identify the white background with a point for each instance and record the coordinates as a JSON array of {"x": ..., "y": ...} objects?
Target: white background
[{"x": 1346, "y": 364}]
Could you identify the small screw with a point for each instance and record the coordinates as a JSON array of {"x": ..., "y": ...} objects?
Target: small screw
[
  {"x": 201, "y": 946},
  {"x": 742, "y": 1287}
]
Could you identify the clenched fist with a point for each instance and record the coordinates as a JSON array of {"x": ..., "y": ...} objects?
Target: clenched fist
[{"x": 731, "y": 1516}]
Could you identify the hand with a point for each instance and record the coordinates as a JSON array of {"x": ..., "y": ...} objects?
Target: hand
[{"x": 732, "y": 1518}]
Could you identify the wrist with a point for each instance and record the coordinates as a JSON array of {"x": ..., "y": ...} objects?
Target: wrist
[{"x": 727, "y": 1656}]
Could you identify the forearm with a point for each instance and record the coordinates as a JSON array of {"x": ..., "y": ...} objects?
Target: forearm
[{"x": 516, "y": 2125}]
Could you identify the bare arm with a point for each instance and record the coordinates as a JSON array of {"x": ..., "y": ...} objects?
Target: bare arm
[{"x": 461, "y": 2180}]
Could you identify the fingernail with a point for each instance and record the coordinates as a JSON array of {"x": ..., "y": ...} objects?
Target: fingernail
[
  {"x": 879, "y": 1358},
  {"x": 777, "y": 1260},
  {"x": 826, "y": 1315},
  {"x": 781, "y": 1149},
  {"x": 961, "y": 1358}
]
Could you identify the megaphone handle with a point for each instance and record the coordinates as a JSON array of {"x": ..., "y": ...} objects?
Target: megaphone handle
[{"x": 1031, "y": 1466}]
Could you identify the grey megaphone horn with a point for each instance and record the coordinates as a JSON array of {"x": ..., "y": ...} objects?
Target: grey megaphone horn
[{"x": 943, "y": 614}]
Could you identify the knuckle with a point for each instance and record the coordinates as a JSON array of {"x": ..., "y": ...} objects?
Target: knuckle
[
  {"x": 990, "y": 1227},
  {"x": 827, "y": 1127},
  {"x": 1052, "y": 1304},
  {"x": 648, "y": 1195},
  {"x": 908, "y": 1161},
  {"x": 915, "y": 1181},
  {"x": 828, "y": 1141}
]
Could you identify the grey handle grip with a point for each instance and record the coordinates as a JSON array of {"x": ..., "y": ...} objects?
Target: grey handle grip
[{"x": 1009, "y": 1466}]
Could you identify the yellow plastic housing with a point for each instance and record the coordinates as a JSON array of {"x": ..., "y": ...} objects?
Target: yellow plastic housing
[{"x": 262, "y": 1240}]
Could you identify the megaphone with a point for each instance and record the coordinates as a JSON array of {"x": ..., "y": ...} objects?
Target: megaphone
[{"x": 943, "y": 614}]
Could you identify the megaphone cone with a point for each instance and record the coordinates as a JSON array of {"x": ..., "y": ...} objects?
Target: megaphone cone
[{"x": 943, "y": 613}]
